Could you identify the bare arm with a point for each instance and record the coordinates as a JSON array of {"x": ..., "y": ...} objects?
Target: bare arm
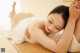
[
  {"x": 64, "y": 42},
  {"x": 61, "y": 46},
  {"x": 77, "y": 28}
]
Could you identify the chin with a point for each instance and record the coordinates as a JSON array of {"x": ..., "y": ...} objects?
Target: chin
[
  {"x": 46, "y": 30},
  {"x": 56, "y": 31}
]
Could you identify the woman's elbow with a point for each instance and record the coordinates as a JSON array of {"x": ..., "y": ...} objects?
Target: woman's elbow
[
  {"x": 60, "y": 51},
  {"x": 57, "y": 50}
]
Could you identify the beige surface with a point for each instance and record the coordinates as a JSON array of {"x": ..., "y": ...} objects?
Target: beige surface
[
  {"x": 41, "y": 8},
  {"x": 4, "y": 43},
  {"x": 27, "y": 47}
]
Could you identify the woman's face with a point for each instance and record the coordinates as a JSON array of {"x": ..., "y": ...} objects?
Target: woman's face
[{"x": 54, "y": 23}]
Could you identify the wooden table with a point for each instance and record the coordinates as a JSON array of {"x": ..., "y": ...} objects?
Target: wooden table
[{"x": 25, "y": 47}]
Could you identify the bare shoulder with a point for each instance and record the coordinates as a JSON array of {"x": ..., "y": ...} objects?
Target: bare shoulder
[{"x": 36, "y": 27}]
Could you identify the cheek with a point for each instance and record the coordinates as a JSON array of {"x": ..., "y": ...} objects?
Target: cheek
[
  {"x": 47, "y": 24},
  {"x": 55, "y": 30}
]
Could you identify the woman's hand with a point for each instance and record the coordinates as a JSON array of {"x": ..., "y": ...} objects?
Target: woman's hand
[
  {"x": 77, "y": 3},
  {"x": 78, "y": 6},
  {"x": 74, "y": 10}
]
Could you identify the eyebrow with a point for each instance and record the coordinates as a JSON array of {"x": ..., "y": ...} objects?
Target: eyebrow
[
  {"x": 52, "y": 19},
  {"x": 59, "y": 26}
]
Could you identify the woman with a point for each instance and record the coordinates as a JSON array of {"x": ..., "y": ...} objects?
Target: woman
[
  {"x": 39, "y": 30},
  {"x": 75, "y": 45}
]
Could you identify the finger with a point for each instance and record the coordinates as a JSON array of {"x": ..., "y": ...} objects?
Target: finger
[
  {"x": 78, "y": 7},
  {"x": 78, "y": 11},
  {"x": 78, "y": 1},
  {"x": 73, "y": 4}
]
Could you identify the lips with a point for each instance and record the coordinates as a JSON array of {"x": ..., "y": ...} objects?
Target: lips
[{"x": 48, "y": 30}]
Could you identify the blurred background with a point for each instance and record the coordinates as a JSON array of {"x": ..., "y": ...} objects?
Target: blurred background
[{"x": 39, "y": 8}]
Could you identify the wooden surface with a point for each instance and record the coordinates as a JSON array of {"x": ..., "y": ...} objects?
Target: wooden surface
[{"x": 27, "y": 47}]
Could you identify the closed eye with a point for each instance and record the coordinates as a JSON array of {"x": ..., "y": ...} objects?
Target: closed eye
[
  {"x": 50, "y": 22},
  {"x": 58, "y": 28}
]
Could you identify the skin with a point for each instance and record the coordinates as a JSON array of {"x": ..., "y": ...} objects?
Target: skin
[
  {"x": 54, "y": 23},
  {"x": 38, "y": 32},
  {"x": 77, "y": 29}
]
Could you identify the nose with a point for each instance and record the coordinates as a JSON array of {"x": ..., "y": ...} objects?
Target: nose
[{"x": 51, "y": 27}]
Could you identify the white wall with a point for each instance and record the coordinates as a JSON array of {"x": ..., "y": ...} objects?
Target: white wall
[
  {"x": 4, "y": 14},
  {"x": 41, "y": 7},
  {"x": 5, "y": 8},
  {"x": 38, "y": 7}
]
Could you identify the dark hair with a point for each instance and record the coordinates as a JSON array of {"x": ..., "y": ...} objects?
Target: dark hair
[{"x": 63, "y": 10}]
